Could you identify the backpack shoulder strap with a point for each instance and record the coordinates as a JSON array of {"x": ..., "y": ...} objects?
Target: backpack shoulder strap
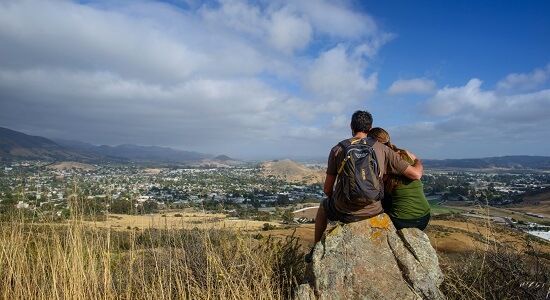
[{"x": 345, "y": 143}]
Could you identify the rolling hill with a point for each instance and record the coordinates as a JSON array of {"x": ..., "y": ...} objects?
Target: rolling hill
[
  {"x": 14, "y": 144},
  {"x": 292, "y": 171},
  {"x": 17, "y": 145},
  {"x": 133, "y": 152},
  {"x": 507, "y": 162}
]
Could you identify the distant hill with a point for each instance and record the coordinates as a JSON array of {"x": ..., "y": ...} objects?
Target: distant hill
[
  {"x": 292, "y": 171},
  {"x": 68, "y": 165},
  {"x": 222, "y": 161},
  {"x": 148, "y": 153},
  {"x": 223, "y": 158},
  {"x": 507, "y": 162},
  {"x": 17, "y": 145},
  {"x": 134, "y": 152},
  {"x": 535, "y": 202}
]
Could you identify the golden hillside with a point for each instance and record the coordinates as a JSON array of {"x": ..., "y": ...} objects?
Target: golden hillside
[
  {"x": 67, "y": 165},
  {"x": 292, "y": 171},
  {"x": 536, "y": 202}
]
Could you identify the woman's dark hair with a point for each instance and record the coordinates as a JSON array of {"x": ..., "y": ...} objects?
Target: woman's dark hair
[{"x": 361, "y": 121}]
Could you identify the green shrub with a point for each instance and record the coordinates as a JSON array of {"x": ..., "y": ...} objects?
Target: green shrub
[{"x": 268, "y": 226}]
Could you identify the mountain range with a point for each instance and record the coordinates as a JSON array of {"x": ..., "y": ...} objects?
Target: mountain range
[
  {"x": 505, "y": 162},
  {"x": 14, "y": 144},
  {"x": 17, "y": 145},
  {"x": 133, "y": 152}
]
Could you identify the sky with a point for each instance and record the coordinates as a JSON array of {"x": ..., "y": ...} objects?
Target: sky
[{"x": 279, "y": 79}]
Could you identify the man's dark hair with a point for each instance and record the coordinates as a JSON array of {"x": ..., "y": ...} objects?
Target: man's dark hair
[{"x": 361, "y": 121}]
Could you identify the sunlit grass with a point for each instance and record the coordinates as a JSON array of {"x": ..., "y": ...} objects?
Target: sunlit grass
[
  {"x": 79, "y": 261},
  {"x": 438, "y": 209}
]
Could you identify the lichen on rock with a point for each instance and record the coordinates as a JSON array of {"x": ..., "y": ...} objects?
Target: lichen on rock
[{"x": 370, "y": 259}]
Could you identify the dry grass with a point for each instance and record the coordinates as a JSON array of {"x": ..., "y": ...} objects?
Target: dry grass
[
  {"x": 467, "y": 234},
  {"x": 178, "y": 219},
  {"x": 79, "y": 261},
  {"x": 496, "y": 271},
  {"x": 481, "y": 260},
  {"x": 66, "y": 165},
  {"x": 207, "y": 256}
]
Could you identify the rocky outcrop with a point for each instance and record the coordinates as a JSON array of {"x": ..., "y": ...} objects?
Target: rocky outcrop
[{"x": 370, "y": 259}]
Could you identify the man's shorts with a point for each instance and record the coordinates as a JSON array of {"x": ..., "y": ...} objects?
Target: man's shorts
[{"x": 333, "y": 214}]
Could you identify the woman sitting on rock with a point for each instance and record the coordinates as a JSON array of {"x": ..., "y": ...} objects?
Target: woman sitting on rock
[{"x": 404, "y": 199}]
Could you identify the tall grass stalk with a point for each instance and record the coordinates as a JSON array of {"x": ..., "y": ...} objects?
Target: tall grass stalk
[
  {"x": 496, "y": 269},
  {"x": 74, "y": 260}
]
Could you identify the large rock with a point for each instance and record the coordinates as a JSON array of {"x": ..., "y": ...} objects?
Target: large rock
[{"x": 370, "y": 259}]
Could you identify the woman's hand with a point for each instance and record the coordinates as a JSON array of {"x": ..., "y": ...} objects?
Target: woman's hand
[{"x": 412, "y": 156}]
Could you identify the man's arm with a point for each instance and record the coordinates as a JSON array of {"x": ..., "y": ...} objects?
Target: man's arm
[
  {"x": 329, "y": 184},
  {"x": 415, "y": 171}
]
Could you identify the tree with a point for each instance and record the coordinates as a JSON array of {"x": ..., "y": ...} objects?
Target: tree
[
  {"x": 283, "y": 199},
  {"x": 256, "y": 203},
  {"x": 263, "y": 216},
  {"x": 121, "y": 206},
  {"x": 242, "y": 212},
  {"x": 150, "y": 206},
  {"x": 218, "y": 208},
  {"x": 7, "y": 205},
  {"x": 288, "y": 216},
  {"x": 93, "y": 206}
]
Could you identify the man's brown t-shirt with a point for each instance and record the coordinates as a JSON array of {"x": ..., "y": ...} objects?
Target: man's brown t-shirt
[{"x": 389, "y": 163}]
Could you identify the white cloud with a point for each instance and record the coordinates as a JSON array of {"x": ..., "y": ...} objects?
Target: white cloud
[
  {"x": 340, "y": 121},
  {"x": 331, "y": 18},
  {"x": 60, "y": 33},
  {"x": 164, "y": 47},
  {"x": 473, "y": 102},
  {"x": 412, "y": 86},
  {"x": 251, "y": 76},
  {"x": 206, "y": 106},
  {"x": 338, "y": 80},
  {"x": 470, "y": 97},
  {"x": 524, "y": 82},
  {"x": 281, "y": 27},
  {"x": 374, "y": 44},
  {"x": 530, "y": 108},
  {"x": 288, "y": 32},
  {"x": 237, "y": 15},
  {"x": 466, "y": 120}
]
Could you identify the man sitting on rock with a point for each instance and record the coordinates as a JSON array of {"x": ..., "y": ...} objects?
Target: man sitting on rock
[{"x": 336, "y": 207}]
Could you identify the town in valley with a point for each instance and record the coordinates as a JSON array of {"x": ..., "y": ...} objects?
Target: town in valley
[{"x": 49, "y": 191}]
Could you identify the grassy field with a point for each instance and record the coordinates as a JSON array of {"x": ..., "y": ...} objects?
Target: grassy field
[
  {"x": 178, "y": 219},
  {"x": 497, "y": 212},
  {"x": 193, "y": 255},
  {"x": 81, "y": 260},
  {"x": 441, "y": 209}
]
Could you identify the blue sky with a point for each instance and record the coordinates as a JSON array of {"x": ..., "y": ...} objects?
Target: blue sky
[{"x": 278, "y": 79}]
